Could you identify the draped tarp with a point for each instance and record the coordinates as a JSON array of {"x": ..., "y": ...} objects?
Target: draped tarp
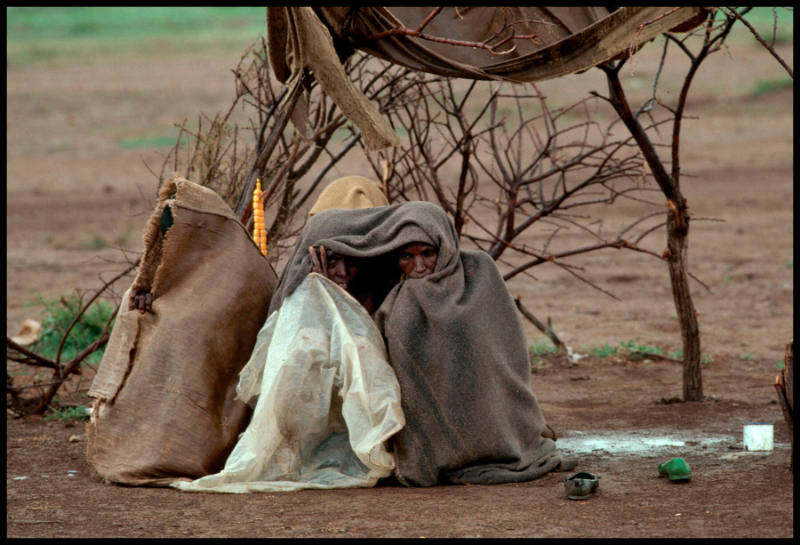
[{"x": 558, "y": 41}]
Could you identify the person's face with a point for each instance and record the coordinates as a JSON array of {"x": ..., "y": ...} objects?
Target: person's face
[
  {"x": 341, "y": 270},
  {"x": 417, "y": 259}
]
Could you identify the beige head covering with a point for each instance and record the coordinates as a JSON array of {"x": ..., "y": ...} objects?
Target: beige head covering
[{"x": 351, "y": 193}]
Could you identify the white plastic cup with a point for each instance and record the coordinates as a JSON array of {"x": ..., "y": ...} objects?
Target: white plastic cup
[{"x": 758, "y": 436}]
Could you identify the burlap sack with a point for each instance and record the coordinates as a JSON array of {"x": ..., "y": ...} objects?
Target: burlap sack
[{"x": 165, "y": 407}]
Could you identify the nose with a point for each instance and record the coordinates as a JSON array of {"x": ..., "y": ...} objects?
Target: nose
[{"x": 419, "y": 264}]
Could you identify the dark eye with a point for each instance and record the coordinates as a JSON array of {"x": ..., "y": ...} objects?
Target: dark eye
[
  {"x": 429, "y": 253},
  {"x": 405, "y": 257}
]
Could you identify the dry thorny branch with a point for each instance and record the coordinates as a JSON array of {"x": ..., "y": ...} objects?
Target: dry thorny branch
[
  {"x": 62, "y": 370},
  {"x": 223, "y": 156},
  {"x": 518, "y": 177},
  {"x": 712, "y": 36},
  {"x": 290, "y": 167},
  {"x": 506, "y": 33}
]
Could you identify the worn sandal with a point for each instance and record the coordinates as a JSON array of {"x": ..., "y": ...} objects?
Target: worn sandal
[{"x": 580, "y": 485}]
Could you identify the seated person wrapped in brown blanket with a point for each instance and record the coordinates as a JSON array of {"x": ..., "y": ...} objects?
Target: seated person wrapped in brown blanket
[{"x": 456, "y": 344}]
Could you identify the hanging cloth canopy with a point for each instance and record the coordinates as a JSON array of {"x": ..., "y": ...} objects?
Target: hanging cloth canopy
[{"x": 529, "y": 43}]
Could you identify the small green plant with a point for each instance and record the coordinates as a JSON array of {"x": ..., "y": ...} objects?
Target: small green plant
[
  {"x": 50, "y": 34},
  {"x": 763, "y": 19},
  {"x": 640, "y": 350},
  {"x": 789, "y": 264},
  {"x": 96, "y": 243},
  {"x": 745, "y": 357},
  {"x": 66, "y": 414},
  {"x": 540, "y": 347},
  {"x": 780, "y": 364},
  {"x": 767, "y": 86},
  {"x": 151, "y": 142},
  {"x": 59, "y": 314},
  {"x": 704, "y": 358},
  {"x": 604, "y": 351}
]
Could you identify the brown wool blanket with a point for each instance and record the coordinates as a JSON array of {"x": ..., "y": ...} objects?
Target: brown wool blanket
[{"x": 457, "y": 346}]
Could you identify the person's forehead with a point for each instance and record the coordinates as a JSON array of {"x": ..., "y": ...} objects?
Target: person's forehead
[{"x": 418, "y": 246}]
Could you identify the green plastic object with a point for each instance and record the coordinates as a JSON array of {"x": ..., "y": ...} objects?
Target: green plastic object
[{"x": 676, "y": 469}]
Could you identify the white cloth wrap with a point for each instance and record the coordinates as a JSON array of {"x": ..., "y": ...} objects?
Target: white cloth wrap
[{"x": 325, "y": 400}]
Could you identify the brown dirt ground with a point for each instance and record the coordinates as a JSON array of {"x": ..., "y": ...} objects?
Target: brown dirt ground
[{"x": 69, "y": 184}]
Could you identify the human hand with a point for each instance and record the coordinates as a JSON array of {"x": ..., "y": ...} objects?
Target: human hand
[
  {"x": 142, "y": 300},
  {"x": 319, "y": 264}
]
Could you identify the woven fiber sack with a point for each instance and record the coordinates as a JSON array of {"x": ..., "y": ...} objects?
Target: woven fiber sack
[{"x": 165, "y": 406}]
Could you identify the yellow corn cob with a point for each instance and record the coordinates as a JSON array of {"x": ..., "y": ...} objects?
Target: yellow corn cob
[
  {"x": 256, "y": 195},
  {"x": 259, "y": 232},
  {"x": 256, "y": 218}
]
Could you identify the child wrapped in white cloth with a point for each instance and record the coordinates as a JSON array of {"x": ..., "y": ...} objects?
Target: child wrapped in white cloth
[{"x": 324, "y": 395}]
